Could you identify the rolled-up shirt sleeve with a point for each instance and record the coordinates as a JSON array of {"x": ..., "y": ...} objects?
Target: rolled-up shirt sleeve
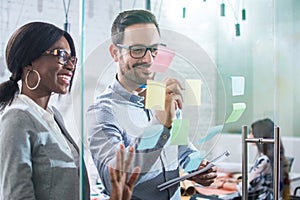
[
  {"x": 105, "y": 136},
  {"x": 119, "y": 117}
]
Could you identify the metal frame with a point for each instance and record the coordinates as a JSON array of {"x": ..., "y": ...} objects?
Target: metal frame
[{"x": 276, "y": 167}]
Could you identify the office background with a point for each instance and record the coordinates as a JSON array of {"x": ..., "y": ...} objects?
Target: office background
[{"x": 264, "y": 50}]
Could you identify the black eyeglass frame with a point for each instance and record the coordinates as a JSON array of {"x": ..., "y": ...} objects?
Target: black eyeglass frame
[
  {"x": 153, "y": 49},
  {"x": 63, "y": 56}
]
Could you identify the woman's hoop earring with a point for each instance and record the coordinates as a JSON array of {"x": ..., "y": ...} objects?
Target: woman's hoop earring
[{"x": 38, "y": 82}]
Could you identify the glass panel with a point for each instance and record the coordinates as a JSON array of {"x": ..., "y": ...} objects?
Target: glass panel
[
  {"x": 252, "y": 65},
  {"x": 287, "y": 96}
]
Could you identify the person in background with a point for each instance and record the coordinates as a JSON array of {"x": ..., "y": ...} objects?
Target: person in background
[
  {"x": 260, "y": 178},
  {"x": 119, "y": 115},
  {"x": 38, "y": 157}
]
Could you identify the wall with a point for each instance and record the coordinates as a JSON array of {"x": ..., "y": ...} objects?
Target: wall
[
  {"x": 262, "y": 53},
  {"x": 266, "y": 53}
]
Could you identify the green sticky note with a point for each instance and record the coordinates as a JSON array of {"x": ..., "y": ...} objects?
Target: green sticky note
[
  {"x": 238, "y": 110},
  {"x": 180, "y": 131}
]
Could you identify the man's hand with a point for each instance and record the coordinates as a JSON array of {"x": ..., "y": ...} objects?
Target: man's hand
[
  {"x": 205, "y": 178},
  {"x": 122, "y": 186},
  {"x": 173, "y": 101}
]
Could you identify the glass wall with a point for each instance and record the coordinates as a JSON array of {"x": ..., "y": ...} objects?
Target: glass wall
[{"x": 245, "y": 53}]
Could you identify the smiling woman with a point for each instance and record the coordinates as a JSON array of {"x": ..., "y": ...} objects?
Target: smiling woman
[{"x": 38, "y": 157}]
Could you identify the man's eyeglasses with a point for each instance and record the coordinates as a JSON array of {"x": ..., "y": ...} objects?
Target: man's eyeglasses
[
  {"x": 139, "y": 51},
  {"x": 63, "y": 56}
]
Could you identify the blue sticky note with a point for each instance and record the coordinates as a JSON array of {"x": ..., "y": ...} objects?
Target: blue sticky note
[
  {"x": 195, "y": 160},
  {"x": 212, "y": 132},
  {"x": 150, "y": 137}
]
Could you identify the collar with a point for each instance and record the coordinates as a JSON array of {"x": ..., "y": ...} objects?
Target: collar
[
  {"x": 46, "y": 114},
  {"x": 125, "y": 95}
]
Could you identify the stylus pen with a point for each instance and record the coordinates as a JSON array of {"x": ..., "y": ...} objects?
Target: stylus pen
[{"x": 212, "y": 163}]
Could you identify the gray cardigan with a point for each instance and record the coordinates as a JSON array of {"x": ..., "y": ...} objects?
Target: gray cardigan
[{"x": 33, "y": 165}]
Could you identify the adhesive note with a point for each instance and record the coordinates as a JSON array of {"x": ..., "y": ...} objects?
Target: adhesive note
[
  {"x": 212, "y": 132},
  {"x": 150, "y": 137},
  {"x": 195, "y": 160},
  {"x": 238, "y": 85},
  {"x": 162, "y": 60},
  {"x": 192, "y": 92},
  {"x": 238, "y": 110},
  {"x": 180, "y": 131},
  {"x": 155, "y": 95}
]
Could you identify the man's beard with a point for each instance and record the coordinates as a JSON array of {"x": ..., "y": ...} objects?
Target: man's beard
[{"x": 131, "y": 73}]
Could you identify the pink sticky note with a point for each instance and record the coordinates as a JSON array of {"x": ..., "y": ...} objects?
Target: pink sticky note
[{"x": 162, "y": 60}]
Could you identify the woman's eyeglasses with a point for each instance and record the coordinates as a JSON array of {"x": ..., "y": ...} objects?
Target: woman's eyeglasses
[
  {"x": 139, "y": 51},
  {"x": 63, "y": 56}
]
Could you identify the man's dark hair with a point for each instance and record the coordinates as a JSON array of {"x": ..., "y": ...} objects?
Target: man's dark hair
[{"x": 128, "y": 18}]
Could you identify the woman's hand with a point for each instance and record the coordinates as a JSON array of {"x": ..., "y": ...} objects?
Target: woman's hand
[{"x": 122, "y": 185}]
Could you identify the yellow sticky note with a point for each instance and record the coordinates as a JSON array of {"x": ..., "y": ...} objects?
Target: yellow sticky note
[
  {"x": 180, "y": 131},
  {"x": 193, "y": 92},
  {"x": 238, "y": 110},
  {"x": 155, "y": 95}
]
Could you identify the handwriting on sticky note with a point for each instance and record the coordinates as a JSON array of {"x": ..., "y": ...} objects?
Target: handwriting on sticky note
[
  {"x": 150, "y": 137},
  {"x": 238, "y": 110},
  {"x": 192, "y": 92},
  {"x": 212, "y": 132},
  {"x": 238, "y": 85},
  {"x": 162, "y": 60},
  {"x": 180, "y": 131},
  {"x": 155, "y": 95}
]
